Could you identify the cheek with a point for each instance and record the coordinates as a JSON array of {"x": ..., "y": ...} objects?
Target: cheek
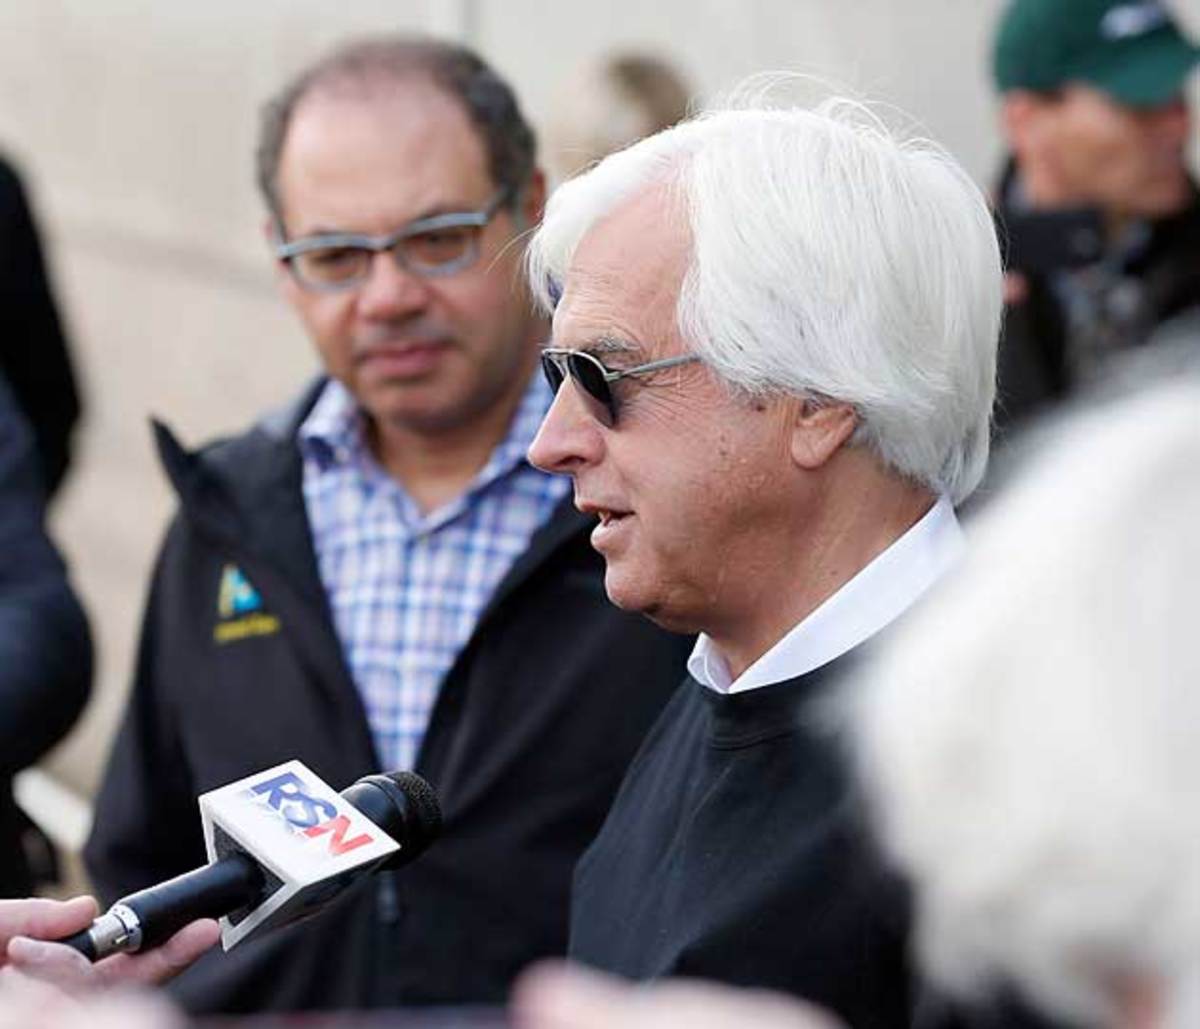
[
  {"x": 478, "y": 303},
  {"x": 328, "y": 320},
  {"x": 681, "y": 506}
]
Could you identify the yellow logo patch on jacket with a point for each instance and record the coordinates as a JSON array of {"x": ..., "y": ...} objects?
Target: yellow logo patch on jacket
[{"x": 240, "y": 612}]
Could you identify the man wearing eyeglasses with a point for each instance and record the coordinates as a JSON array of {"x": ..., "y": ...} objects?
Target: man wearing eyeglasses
[
  {"x": 377, "y": 578},
  {"x": 774, "y": 351}
]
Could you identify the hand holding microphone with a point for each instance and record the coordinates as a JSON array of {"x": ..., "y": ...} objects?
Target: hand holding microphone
[{"x": 281, "y": 844}]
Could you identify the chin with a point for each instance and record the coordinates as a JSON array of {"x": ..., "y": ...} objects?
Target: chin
[
  {"x": 1164, "y": 201},
  {"x": 420, "y": 411},
  {"x": 623, "y": 599},
  {"x": 637, "y": 598},
  {"x": 627, "y": 594}
]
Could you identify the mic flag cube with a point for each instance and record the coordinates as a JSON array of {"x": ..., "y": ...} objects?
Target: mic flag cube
[{"x": 310, "y": 842}]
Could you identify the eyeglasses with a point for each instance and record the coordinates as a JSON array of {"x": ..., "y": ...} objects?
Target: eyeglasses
[
  {"x": 594, "y": 380},
  {"x": 429, "y": 247}
]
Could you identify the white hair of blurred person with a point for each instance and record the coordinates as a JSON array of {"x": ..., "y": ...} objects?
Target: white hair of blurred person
[
  {"x": 614, "y": 102},
  {"x": 830, "y": 259},
  {"x": 558, "y": 995},
  {"x": 1030, "y": 737}
]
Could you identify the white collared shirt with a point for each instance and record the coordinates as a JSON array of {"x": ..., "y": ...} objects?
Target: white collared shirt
[{"x": 875, "y": 597}]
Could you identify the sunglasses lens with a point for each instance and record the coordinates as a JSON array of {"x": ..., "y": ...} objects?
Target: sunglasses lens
[
  {"x": 553, "y": 372},
  {"x": 593, "y": 387}
]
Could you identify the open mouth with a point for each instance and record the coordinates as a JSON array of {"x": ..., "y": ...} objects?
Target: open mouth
[{"x": 611, "y": 517}]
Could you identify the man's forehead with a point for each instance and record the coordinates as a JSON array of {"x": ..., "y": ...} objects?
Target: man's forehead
[
  {"x": 652, "y": 219},
  {"x": 410, "y": 148},
  {"x": 638, "y": 247},
  {"x": 401, "y": 98},
  {"x": 625, "y": 276}
]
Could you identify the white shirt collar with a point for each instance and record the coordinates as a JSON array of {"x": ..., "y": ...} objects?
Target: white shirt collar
[{"x": 875, "y": 597}]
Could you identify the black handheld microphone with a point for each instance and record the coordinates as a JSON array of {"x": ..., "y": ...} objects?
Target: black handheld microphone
[{"x": 280, "y": 846}]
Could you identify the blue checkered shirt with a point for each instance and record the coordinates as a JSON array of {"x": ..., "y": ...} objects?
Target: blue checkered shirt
[{"x": 406, "y": 588}]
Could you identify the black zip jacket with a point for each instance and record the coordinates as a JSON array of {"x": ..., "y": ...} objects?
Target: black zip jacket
[
  {"x": 45, "y": 648},
  {"x": 531, "y": 733},
  {"x": 34, "y": 355},
  {"x": 1033, "y": 370}
]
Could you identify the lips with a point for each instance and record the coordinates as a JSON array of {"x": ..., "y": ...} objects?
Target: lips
[
  {"x": 612, "y": 523},
  {"x": 605, "y": 513},
  {"x": 402, "y": 359}
]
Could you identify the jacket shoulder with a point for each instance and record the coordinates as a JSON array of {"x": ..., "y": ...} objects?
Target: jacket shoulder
[{"x": 230, "y": 462}]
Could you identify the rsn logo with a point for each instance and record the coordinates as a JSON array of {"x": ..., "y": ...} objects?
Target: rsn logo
[
  {"x": 288, "y": 796},
  {"x": 1130, "y": 20}
]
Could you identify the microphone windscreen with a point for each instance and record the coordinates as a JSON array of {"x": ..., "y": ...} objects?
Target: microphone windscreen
[{"x": 404, "y": 806}]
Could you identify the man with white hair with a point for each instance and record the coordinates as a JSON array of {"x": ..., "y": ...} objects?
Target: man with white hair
[
  {"x": 1028, "y": 741},
  {"x": 780, "y": 328}
]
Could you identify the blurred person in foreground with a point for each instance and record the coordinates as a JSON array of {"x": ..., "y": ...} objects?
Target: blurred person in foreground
[
  {"x": 1028, "y": 741},
  {"x": 614, "y": 102},
  {"x": 376, "y": 578},
  {"x": 1031, "y": 738},
  {"x": 45, "y": 647},
  {"x": 1101, "y": 222},
  {"x": 774, "y": 344},
  {"x": 34, "y": 355}
]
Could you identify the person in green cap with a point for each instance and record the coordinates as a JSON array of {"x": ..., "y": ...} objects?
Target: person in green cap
[{"x": 1099, "y": 216}]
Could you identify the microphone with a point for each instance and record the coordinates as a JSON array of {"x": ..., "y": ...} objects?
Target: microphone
[{"x": 281, "y": 844}]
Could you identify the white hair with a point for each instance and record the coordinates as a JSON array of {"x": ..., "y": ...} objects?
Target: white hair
[
  {"x": 1032, "y": 736},
  {"x": 830, "y": 259}
]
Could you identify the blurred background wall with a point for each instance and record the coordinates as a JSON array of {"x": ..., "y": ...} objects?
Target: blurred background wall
[{"x": 134, "y": 121}]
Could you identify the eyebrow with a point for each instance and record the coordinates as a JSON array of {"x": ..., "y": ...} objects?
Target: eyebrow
[
  {"x": 433, "y": 211},
  {"x": 603, "y": 345},
  {"x": 610, "y": 344}
]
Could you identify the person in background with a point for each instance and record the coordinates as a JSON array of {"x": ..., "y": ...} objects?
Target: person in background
[
  {"x": 612, "y": 103},
  {"x": 1100, "y": 220},
  {"x": 774, "y": 344},
  {"x": 34, "y": 356},
  {"x": 376, "y": 578},
  {"x": 45, "y": 647}
]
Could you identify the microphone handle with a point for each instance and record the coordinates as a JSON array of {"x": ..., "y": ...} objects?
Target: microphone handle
[
  {"x": 149, "y": 917},
  {"x": 207, "y": 892}
]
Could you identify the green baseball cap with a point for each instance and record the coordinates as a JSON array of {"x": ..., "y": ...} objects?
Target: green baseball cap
[{"x": 1130, "y": 49}]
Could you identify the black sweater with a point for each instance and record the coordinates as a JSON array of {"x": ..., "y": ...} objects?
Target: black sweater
[
  {"x": 736, "y": 851},
  {"x": 733, "y": 852}
]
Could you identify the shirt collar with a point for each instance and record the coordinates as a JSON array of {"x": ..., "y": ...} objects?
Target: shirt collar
[
  {"x": 875, "y": 597},
  {"x": 334, "y": 430}
]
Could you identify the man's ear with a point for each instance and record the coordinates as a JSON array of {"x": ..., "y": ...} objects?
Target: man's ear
[
  {"x": 819, "y": 430},
  {"x": 1019, "y": 118},
  {"x": 533, "y": 200},
  {"x": 283, "y": 280}
]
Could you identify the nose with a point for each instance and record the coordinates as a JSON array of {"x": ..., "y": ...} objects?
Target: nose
[
  {"x": 569, "y": 438},
  {"x": 390, "y": 291}
]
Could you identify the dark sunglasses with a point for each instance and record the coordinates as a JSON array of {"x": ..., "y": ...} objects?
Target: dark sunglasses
[{"x": 594, "y": 380}]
